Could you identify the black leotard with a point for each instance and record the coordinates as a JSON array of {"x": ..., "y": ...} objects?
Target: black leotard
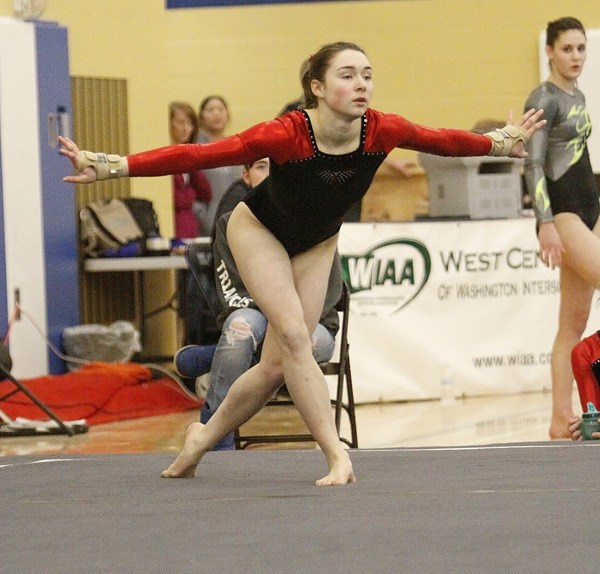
[{"x": 320, "y": 188}]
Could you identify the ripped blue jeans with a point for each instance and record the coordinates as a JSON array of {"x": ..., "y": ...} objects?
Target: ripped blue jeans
[{"x": 239, "y": 349}]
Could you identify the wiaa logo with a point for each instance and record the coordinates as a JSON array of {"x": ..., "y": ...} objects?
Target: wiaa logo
[{"x": 389, "y": 274}]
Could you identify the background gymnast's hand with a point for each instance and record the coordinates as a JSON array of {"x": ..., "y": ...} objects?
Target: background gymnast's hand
[
  {"x": 575, "y": 428},
  {"x": 69, "y": 149},
  {"x": 550, "y": 245}
]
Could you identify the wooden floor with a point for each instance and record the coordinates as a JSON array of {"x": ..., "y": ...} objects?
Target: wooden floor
[{"x": 474, "y": 421}]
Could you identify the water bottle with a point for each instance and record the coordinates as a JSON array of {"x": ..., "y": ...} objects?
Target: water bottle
[
  {"x": 589, "y": 422},
  {"x": 447, "y": 390}
]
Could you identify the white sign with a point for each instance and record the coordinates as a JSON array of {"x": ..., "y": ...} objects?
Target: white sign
[{"x": 464, "y": 300}]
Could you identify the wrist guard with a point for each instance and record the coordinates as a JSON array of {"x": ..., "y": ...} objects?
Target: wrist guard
[
  {"x": 505, "y": 138},
  {"x": 107, "y": 166}
]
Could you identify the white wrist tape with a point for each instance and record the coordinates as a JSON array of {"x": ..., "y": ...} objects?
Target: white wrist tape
[
  {"x": 106, "y": 166},
  {"x": 504, "y": 139}
]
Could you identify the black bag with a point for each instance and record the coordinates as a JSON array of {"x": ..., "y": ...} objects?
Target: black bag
[{"x": 144, "y": 214}]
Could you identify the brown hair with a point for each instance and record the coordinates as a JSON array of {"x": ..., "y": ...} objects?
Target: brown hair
[
  {"x": 557, "y": 27},
  {"x": 315, "y": 67},
  {"x": 189, "y": 111}
]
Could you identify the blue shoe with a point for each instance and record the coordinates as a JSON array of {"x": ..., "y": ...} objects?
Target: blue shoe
[
  {"x": 228, "y": 441},
  {"x": 193, "y": 361}
]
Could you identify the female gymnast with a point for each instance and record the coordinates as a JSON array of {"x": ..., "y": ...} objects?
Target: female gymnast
[
  {"x": 561, "y": 183},
  {"x": 284, "y": 234}
]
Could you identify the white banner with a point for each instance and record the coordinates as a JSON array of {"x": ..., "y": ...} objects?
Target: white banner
[{"x": 469, "y": 301}]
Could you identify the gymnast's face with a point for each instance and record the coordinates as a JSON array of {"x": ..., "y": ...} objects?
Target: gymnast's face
[
  {"x": 567, "y": 56},
  {"x": 348, "y": 85}
]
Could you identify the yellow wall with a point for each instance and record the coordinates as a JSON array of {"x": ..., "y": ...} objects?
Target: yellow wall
[{"x": 438, "y": 62}]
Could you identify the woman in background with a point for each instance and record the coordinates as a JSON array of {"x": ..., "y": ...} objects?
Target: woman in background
[
  {"x": 562, "y": 186},
  {"x": 213, "y": 116},
  {"x": 187, "y": 187}
]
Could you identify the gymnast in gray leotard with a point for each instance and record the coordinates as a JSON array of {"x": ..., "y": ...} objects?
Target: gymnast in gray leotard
[
  {"x": 561, "y": 183},
  {"x": 558, "y": 172}
]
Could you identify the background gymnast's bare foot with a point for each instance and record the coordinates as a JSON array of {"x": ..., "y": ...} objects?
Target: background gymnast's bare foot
[
  {"x": 559, "y": 428},
  {"x": 184, "y": 466}
]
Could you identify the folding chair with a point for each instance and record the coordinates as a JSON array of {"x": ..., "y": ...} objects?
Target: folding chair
[
  {"x": 341, "y": 369},
  {"x": 202, "y": 328}
]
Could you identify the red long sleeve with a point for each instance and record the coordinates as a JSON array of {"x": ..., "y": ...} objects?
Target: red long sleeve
[
  {"x": 267, "y": 139},
  {"x": 187, "y": 158},
  {"x": 287, "y": 138},
  {"x": 390, "y": 131}
]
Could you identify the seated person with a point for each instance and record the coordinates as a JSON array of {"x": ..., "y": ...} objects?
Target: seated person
[
  {"x": 244, "y": 326},
  {"x": 200, "y": 325},
  {"x": 251, "y": 176},
  {"x": 585, "y": 361}
]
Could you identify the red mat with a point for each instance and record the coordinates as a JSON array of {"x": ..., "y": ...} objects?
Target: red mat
[{"x": 99, "y": 393}]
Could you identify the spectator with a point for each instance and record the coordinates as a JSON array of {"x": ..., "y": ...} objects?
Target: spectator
[
  {"x": 214, "y": 117},
  {"x": 188, "y": 188}
]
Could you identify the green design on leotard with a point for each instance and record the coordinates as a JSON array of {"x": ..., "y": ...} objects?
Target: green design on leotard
[
  {"x": 584, "y": 127},
  {"x": 542, "y": 201}
]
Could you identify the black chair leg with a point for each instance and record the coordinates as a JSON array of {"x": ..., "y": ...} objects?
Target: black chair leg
[
  {"x": 351, "y": 407},
  {"x": 39, "y": 403}
]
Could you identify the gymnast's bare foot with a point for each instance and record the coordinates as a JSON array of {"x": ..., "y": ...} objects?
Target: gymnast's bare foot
[
  {"x": 340, "y": 472},
  {"x": 559, "y": 428},
  {"x": 184, "y": 466}
]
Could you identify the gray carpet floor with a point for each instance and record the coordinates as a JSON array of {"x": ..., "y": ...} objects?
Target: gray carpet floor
[{"x": 518, "y": 508}]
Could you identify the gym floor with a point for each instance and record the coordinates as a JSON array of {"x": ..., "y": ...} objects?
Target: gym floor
[{"x": 468, "y": 487}]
